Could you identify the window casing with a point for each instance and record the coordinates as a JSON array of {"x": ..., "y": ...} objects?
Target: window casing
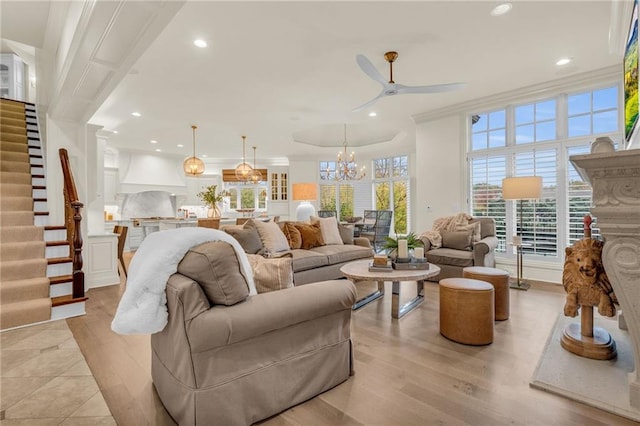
[{"x": 540, "y": 137}]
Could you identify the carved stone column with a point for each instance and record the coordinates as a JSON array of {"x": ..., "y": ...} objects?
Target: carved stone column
[{"x": 615, "y": 180}]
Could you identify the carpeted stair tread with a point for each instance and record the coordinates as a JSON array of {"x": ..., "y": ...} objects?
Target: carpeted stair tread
[
  {"x": 29, "y": 312},
  {"x": 22, "y": 250},
  {"x": 10, "y": 137},
  {"x": 11, "y": 121},
  {"x": 22, "y": 269},
  {"x": 13, "y": 130},
  {"x": 22, "y": 290},
  {"x": 14, "y": 167},
  {"x": 16, "y": 234},
  {"x": 24, "y": 218},
  {"x": 16, "y": 189},
  {"x": 21, "y": 157},
  {"x": 12, "y": 114},
  {"x": 12, "y": 204},
  {"x": 12, "y": 177}
]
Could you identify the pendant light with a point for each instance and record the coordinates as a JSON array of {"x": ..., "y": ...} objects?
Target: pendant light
[
  {"x": 255, "y": 176},
  {"x": 193, "y": 166},
  {"x": 243, "y": 170}
]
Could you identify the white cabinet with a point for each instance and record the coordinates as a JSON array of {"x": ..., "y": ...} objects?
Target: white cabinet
[
  {"x": 197, "y": 184},
  {"x": 110, "y": 185},
  {"x": 279, "y": 183},
  {"x": 12, "y": 76}
]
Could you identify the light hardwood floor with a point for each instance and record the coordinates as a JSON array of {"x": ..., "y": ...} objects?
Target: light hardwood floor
[{"x": 406, "y": 372}]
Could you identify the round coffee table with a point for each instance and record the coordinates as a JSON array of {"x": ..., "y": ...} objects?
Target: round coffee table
[{"x": 359, "y": 271}]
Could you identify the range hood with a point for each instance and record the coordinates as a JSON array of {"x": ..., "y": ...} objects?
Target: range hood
[{"x": 146, "y": 172}]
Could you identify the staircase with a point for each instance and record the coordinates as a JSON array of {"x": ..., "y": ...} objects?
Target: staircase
[{"x": 35, "y": 262}]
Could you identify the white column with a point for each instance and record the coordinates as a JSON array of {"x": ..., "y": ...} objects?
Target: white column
[{"x": 615, "y": 179}]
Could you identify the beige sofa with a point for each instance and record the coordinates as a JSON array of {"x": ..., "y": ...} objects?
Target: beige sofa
[
  {"x": 454, "y": 258},
  {"x": 314, "y": 264},
  {"x": 238, "y": 364}
]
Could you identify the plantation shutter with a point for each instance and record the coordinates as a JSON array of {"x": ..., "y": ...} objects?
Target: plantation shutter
[
  {"x": 578, "y": 198},
  {"x": 487, "y": 173},
  {"x": 540, "y": 219}
]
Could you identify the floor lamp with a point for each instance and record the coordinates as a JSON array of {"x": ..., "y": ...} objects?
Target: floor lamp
[
  {"x": 305, "y": 192},
  {"x": 521, "y": 188}
]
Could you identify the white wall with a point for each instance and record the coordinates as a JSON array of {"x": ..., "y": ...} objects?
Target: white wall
[{"x": 439, "y": 176}]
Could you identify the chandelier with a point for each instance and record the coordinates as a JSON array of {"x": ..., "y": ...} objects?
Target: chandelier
[
  {"x": 243, "y": 170},
  {"x": 193, "y": 166},
  {"x": 346, "y": 166},
  {"x": 255, "y": 176}
]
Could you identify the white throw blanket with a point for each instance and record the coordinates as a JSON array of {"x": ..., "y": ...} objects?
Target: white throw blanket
[
  {"x": 447, "y": 223},
  {"x": 143, "y": 307}
]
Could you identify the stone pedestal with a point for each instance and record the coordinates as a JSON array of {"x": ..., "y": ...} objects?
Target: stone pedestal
[{"x": 615, "y": 180}]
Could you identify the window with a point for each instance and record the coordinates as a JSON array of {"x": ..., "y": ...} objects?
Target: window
[
  {"x": 535, "y": 122},
  {"x": 391, "y": 189},
  {"x": 247, "y": 197},
  {"x": 593, "y": 112},
  {"x": 540, "y": 137},
  {"x": 489, "y": 130}
]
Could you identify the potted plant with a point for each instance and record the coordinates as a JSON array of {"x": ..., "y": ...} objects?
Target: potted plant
[
  {"x": 211, "y": 198},
  {"x": 391, "y": 244}
]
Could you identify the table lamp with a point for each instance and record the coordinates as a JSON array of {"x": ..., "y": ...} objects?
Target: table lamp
[
  {"x": 305, "y": 192},
  {"x": 521, "y": 188}
]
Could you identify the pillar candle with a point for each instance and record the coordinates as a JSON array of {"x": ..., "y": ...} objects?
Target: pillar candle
[
  {"x": 402, "y": 249},
  {"x": 418, "y": 252}
]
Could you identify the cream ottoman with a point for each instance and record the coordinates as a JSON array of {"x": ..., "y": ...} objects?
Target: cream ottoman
[
  {"x": 499, "y": 279},
  {"x": 466, "y": 311}
]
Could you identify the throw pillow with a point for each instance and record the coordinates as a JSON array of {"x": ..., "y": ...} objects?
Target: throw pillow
[
  {"x": 329, "y": 229},
  {"x": 346, "y": 233},
  {"x": 272, "y": 274},
  {"x": 292, "y": 235},
  {"x": 248, "y": 238},
  {"x": 459, "y": 240},
  {"x": 271, "y": 236},
  {"x": 215, "y": 266},
  {"x": 311, "y": 235},
  {"x": 471, "y": 227}
]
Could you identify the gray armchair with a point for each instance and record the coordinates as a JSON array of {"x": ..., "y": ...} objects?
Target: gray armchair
[{"x": 455, "y": 254}]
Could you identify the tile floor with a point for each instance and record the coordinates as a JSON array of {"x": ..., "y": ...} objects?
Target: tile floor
[{"x": 45, "y": 380}]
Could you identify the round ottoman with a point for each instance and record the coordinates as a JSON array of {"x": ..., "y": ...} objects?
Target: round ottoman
[
  {"x": 466, "y": 311},
  {"x": 499, "y": 279}
]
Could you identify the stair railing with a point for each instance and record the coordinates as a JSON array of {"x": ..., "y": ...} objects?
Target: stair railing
[{"x": 72, "y": 220}]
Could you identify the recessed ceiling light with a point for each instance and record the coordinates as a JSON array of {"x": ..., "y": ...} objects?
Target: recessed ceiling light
[
  {"x": 153, "y": 141},
  {"x": 501, "y": 9},
  {"x": 200, "y": 43},
  {"x": 136, "y": 114},
  {"x": 204, "y": 155},
  {"x": 180, "y": 145},
  {"x": 158, "y": 150},
  {"x": 563, "y": 61},
  {"x": 115, "y": 132},
  {"x": 372, "y": 114}
]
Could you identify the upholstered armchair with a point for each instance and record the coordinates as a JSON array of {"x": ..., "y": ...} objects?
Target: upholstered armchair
[
  {"x": 459, "y": 250},
  {"x": 230, "y": 358}
]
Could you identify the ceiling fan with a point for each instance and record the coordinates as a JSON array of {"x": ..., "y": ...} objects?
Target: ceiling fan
[{"x": 390, "y": 88}]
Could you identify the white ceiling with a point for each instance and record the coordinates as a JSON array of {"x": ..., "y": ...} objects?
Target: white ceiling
[{"x": 286, "y": 70}]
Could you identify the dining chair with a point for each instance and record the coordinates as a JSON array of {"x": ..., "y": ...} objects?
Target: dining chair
[
  {"x": 376, "y": 227},
  {"x": 121, "y": 231}
]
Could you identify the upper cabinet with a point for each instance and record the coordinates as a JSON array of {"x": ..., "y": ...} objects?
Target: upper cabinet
[
  {"x": 111, "y": 182},
  {"x": 197, "y": 184},
  {"x": 279, "y": 183}
]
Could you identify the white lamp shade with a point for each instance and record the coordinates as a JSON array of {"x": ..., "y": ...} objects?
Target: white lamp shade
[{"x": 522, "y": 188}]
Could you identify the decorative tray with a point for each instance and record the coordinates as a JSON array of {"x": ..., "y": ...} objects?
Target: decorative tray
[
  {"x": 413, "y": 265},
  {"x": 376, "y": 268}
]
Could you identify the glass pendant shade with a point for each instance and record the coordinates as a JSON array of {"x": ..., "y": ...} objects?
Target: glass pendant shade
[
  {"x": 243, "y": 170},
  {"x": 255, "y": 176},
  {"x": 193, "y": 166}
]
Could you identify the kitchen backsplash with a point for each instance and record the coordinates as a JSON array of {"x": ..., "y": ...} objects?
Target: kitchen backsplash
[{"x": 149, "y": 204}]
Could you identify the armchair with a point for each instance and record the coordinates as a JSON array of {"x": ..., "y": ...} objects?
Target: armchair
[
  {"x": 456, "y": 253},
  {"x": 238, "y": 359}
]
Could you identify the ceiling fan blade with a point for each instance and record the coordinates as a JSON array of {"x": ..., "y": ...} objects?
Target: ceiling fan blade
[
  {"x": 367, "y": 67},
  {"x": 368, "y": 104},
  {"x": 435, "y": 88}
]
